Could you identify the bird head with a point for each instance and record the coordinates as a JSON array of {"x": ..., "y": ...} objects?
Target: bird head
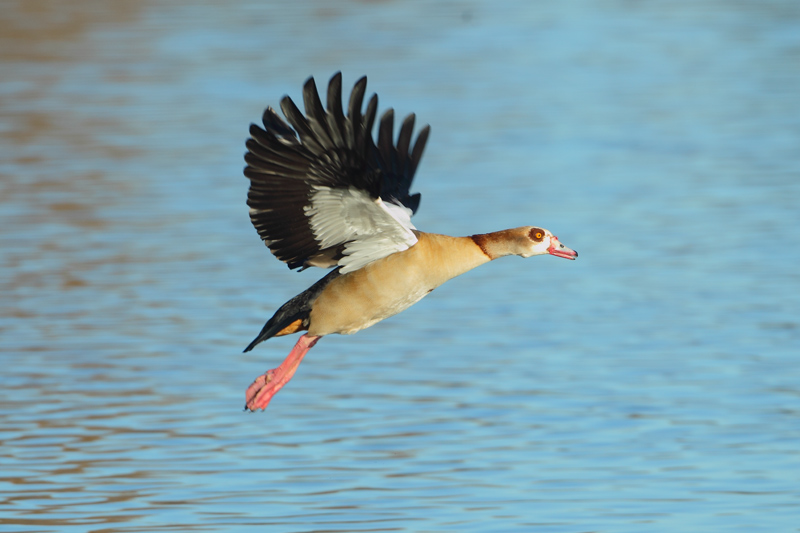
[{"x": 541, "y": 241}]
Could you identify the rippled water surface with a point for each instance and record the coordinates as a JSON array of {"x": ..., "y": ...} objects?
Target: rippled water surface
[{"x": 652, "y": 385}]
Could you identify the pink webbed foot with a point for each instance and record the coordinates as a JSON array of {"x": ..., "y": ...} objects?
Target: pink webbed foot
[{"x": 261, "y": 391}]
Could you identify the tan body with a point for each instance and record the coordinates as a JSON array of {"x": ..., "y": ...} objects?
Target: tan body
[{"x": 386, "y": 287}]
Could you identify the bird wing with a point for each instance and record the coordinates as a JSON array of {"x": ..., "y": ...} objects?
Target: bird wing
[{"x": 322, "y": 192}]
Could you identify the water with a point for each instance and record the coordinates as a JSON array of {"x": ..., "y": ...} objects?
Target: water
[{"x": 651, "y": 385}]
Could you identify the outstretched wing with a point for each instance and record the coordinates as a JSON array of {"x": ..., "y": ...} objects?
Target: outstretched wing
[{"x": 322, "y": 192}]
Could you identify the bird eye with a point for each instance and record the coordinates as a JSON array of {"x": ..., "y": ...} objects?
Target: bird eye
[{"x": 536, "y": 234}]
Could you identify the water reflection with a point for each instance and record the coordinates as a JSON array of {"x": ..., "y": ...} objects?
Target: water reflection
[{"x": 653, "y": 383}]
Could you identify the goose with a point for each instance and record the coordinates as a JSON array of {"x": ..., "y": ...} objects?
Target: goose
[{"x": 324, "y": 194}]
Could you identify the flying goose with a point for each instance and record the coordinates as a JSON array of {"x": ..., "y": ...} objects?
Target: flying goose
[{"x": 323, "y": 193}]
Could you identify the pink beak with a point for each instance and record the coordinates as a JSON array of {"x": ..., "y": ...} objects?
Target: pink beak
[{"x": 559, "y": 250}]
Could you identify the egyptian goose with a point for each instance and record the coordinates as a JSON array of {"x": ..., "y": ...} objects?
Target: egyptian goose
[{"x": 324, "y": 194}]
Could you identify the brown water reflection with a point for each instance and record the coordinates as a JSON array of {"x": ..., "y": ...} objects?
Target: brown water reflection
[
  {"x": 66, "y": 191},
  {"x": 45, "y": 31},
  {"x": 56, "y": 180}
]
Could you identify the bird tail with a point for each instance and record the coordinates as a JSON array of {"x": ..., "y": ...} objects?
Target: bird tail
[{"x": 293, "y": 316}]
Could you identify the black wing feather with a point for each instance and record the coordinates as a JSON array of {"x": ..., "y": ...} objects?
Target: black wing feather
[
  {"x": 286, "y": 159},
  {"x": 301, "y": 126},
  {"x": 336, "y": 120},
  {"x": 385, "y": 146},
  {"x": 317, "y": 118},
  {"x": 404, "y": 139},
  {"x": 277, "y": 127},
  {"x": 353, "y": 122},
  {"x": 416, "y": 155}
]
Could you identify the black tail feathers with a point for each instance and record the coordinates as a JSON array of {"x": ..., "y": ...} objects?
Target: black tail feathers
[
  {"x": 298, "y": 308},
  {"x": 284, "y": 317}
]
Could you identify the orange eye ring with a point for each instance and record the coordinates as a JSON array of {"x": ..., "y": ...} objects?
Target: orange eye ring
[{"x": 539, "y": 235}]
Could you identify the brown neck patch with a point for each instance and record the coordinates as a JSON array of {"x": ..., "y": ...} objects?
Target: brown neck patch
[{"x": 481, "y": 241}]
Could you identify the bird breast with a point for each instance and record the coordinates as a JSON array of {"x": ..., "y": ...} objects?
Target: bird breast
[{"x": 385, "y": 287}]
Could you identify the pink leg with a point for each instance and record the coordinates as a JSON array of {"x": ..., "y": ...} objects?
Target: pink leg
[{"x": 266, "y": 386}]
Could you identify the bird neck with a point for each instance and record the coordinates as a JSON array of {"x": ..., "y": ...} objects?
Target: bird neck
[
  {"x": 498, "y": 243},
  {"x": 452, "y": 256}
]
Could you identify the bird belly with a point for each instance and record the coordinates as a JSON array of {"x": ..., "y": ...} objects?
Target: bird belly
[
  {"x": 335, "y": 313},
  {"x": 382, "y": 312}
]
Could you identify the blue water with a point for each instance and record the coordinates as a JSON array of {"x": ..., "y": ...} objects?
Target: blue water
[{"x": 651, "y": 385}]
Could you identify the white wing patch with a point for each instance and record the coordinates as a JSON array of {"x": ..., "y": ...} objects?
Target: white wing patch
[{"x": 371, "y": 229}]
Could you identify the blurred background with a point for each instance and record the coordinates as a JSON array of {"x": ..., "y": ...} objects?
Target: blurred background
[{"x": 653, "y": 384}]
